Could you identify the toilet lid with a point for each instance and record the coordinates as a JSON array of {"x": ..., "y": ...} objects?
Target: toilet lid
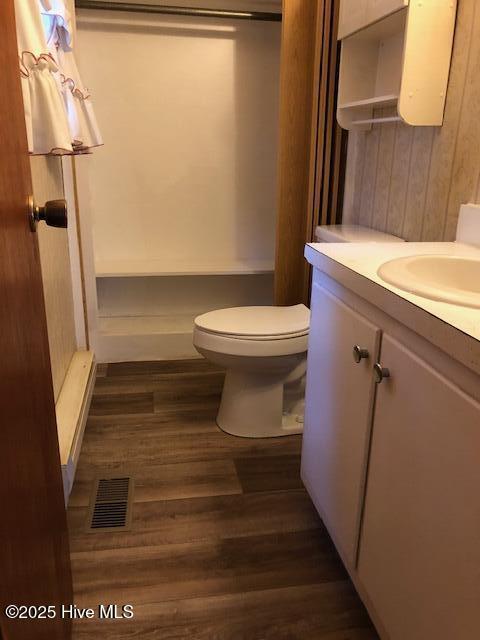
[{"x": 257, "y": 322}]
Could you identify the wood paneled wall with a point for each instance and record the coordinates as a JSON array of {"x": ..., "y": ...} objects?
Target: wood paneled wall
[
  {"x": 56, "y": 273},
  {"x": 411, "y": 181}
]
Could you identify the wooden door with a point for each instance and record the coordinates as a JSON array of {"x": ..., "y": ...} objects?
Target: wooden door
[
  {"x": 302, "y": 26},
  {"x": 419, "y": 555},
  {"x": 312, "y": 146},
  {"x": 34, "y": 556},
  {"x": 339, "y": 399}
]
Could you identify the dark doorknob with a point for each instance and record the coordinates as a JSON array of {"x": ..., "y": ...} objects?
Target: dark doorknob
[{"x": 53, "y": 213}]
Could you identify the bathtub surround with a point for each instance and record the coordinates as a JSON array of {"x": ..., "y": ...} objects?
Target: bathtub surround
[{"x": 182, "y": 196}]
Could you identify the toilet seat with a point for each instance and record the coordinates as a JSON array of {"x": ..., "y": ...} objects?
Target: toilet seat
[
  {"x": 250, "y": 348},
  {"x": 256, "y": 323}
]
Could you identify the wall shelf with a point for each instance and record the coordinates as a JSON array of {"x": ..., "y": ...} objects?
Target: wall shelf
[
  {"x": 395, "y": 54},
  {"x": 150, "y": 268},
  {"x": 377, "y": 101},
  {"x": 369, "y": 121}
]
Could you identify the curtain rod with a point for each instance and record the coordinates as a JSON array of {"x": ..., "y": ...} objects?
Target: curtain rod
[{"x": 178, "y": 11}]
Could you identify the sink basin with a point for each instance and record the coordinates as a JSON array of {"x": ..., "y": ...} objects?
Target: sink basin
[{"x": 446, "y": 278}]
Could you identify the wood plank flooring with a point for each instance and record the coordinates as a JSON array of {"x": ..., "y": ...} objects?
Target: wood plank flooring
[{"x": 224, "y": 544}]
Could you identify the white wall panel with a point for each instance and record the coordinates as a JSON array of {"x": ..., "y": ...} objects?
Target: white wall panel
[{"x": 188, "y": 111}]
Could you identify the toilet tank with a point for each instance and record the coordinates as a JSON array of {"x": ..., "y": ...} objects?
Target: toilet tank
[{"x": 352, "y": 233}]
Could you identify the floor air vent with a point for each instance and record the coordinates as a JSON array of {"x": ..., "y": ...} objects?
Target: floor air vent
[{"x": 110, "y": 508}]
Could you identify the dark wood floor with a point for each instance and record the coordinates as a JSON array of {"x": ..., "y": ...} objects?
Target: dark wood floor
[{"x": 224, "y": 542}]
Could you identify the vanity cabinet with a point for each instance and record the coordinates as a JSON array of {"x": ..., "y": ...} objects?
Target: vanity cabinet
[
  {"x": 391, "y": 460},
  {"x": 338, "y": 415},
  {"x": 419, "y": 558}
]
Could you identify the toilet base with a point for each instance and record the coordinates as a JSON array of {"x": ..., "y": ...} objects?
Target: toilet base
[{"x": 252, "y": 406}]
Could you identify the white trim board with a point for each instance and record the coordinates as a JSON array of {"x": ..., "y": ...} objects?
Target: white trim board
[
  {"x": 126, "y": 346},
  {"x": 142, "y": 268},
  {"x": 72, "y": 411},
  {"x": 74, "y": 250}
]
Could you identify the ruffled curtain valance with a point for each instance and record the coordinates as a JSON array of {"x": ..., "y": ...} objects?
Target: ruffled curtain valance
[{"x": 58, "y": 109}]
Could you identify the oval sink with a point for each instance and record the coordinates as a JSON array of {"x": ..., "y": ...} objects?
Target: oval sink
[{"x": 438, "y": 277}]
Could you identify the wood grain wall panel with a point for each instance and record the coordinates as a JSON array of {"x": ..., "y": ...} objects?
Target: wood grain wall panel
[
  {"x": 353, "y": 177},
  {"x": 434, "y": 170},
  {"x": 465, "y": 172},
  {"x": 399, "y": 179},
  {"x": 446, "y": 137},
  {"x": 56, "y": 274},
  {"x": 369, "y": 176},
  {"x": 386, "y": 148},
  {"x": 420, "y": 156}
]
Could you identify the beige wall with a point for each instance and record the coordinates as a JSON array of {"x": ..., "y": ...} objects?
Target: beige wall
[
  {"x": 56, "y": 275},
  {"x": 410, "y": 181}
]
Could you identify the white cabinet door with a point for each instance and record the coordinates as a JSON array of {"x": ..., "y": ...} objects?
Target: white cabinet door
[
  {"x": 378, "y": 9},
  {"x": 353, "y": 16},
  {"x": 338, "y": 408},
  {"x": 419, "y": 555}
]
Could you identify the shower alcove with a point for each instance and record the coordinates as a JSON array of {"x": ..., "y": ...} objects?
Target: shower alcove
[{"x": 178, "y": 208}]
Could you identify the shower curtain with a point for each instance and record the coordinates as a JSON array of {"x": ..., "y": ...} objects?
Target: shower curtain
[{"x": 58, "y": 109}]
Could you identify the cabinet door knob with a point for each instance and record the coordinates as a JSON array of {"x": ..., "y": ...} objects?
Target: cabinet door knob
[
  {"x": 380, "y": 373},
  {"x": 359, "y": 354}
]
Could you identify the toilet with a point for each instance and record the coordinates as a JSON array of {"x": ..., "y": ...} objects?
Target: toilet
[{"x": 264, "y": 352}]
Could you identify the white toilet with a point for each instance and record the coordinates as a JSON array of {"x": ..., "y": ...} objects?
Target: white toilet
[{"x": 264, "y": 350}]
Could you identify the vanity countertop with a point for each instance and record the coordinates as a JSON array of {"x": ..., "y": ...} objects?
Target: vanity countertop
[{"x": 453, "y": 328}]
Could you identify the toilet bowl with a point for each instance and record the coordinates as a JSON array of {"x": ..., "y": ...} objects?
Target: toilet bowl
[{"x": 264, "y": 352}]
